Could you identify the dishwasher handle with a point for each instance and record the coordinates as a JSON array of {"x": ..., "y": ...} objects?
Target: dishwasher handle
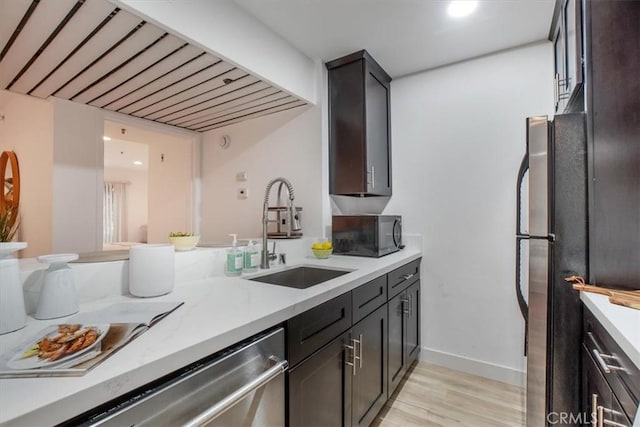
[{"x": 278, "y": 367}]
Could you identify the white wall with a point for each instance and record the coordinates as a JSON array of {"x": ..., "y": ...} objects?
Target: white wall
[
  {"x": 287, "y": 144},
  {"x": 77, "y": 177},
  {"x": 27, "y": 129},
  {"x": 137, "y": 199},
  {"x": 224, "y": 29},
  {"x": 458, "y": 139},
  {"x": 170, "y": 181}
]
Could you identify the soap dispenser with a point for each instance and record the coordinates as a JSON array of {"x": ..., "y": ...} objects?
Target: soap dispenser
[
  {"x": 251, "y": 258},
  {"x": 234, "y": 258}
]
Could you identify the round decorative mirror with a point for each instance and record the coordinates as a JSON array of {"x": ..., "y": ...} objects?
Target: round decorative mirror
[{"x": 10, "y": 175}]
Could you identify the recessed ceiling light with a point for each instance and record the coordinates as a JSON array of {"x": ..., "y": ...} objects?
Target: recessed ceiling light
[
  {"x": 106, "y": 138},
  {"x": 137, "y": 162},
  {"x": 461, "y": 8}
]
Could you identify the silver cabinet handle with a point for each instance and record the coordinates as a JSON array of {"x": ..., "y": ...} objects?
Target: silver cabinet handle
[
  {"x": 357, "y": 351},
  {"x": 604, "y": 365},
  {"x": 601, "y": 361},
  {"x": 373, "y": 177},
  {"x": 236, "y": 396},
  {"x": 360, "y": 345},
  {"x": 352, "y": 349},
  {"x": 555, "y": 89},
  {"x": 407, "y": 276},
  {"x": 405, "y": 306},
  {"x": 594, "y": 410},
  {"x": 604, "y": 422}
]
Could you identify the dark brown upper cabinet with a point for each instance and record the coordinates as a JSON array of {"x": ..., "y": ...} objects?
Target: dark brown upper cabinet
[
  {"x": 359, "y": 127},
  {"x": 566, "y": 34}
]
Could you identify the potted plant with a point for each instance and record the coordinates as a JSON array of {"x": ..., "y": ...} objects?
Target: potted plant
[{"x": 12, "y": 311}]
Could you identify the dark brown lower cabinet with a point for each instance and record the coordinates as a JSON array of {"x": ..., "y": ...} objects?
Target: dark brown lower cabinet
[
  {"x": 345, "y": 383},
  {"x": 404, "y": 333},
  {"x": 320, "y": 387},
  {"x": 369, "y": 391}
]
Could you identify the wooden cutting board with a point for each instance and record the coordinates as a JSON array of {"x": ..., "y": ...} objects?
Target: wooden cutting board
[{"x": 629, "y": 299}]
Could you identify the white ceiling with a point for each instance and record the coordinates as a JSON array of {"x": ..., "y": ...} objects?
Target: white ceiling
[
  {"x": 404, "y": 36},
  {"x": 121, "y": 154},
  {"x": 124, "y": 148}
]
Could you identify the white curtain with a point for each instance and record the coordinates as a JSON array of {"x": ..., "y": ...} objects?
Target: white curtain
[{"x": 115, "y": 212}]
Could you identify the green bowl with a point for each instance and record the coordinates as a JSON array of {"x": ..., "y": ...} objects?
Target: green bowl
[{"x": 322, "y": 253}]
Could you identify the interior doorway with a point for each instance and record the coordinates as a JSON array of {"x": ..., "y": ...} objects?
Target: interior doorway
[
  {"x": 125, "y": 194},
  {"x": 147, "y": 185}
]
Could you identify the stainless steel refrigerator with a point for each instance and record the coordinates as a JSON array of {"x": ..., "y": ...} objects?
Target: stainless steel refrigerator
[{"x": 551, "y": 244}]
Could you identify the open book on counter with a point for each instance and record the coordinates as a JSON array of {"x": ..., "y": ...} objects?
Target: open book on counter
[{"x": 83, "y": 341}]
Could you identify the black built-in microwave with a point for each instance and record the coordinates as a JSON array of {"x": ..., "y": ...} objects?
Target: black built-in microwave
[{"x": 366, "y": 235}]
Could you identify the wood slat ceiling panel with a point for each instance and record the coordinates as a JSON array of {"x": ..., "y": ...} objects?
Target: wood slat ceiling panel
[
  {"x": 45, "y": 18},
  {"x": 242, "y": 111},
  {"x": 210, "y": 113},
  {"x": 156, "y": 52},
  {"x": 178, "y": 87},
  {"x": 82, "y": 24},
  {"x": 133, "y": 45},
  {"x": 138, "y": 83},
  {"x": 92, "y": 52},
  {"x": 11, "y": 13},
  {"x": 110, "y": 34},
  {"x": 237, "y": 89},
  {"x": 266, "y": 112},
  {"x": 205, "y": 87},
  {"x": 148, "y": 90}
]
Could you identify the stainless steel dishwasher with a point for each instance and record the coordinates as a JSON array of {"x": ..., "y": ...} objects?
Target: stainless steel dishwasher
[{"x": 242, "y": 387}]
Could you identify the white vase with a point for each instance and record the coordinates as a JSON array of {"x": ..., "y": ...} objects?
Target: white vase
[
  {"x": 59, "y": 297},
  {"x": 12, "y": 313}
]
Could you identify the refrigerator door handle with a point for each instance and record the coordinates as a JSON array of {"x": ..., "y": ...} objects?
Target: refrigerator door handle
[{"x": 520, "y": 236}]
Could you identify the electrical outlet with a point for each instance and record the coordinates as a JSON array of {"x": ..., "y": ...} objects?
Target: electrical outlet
[{"x": 243, "y": 193}]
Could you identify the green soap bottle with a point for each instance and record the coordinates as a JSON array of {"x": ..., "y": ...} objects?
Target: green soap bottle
[
  {"x": 251, "y": 258},
  {"x": 234, "y": 258}
]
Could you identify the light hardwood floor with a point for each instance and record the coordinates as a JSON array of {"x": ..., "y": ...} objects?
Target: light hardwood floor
[{"x": 436, "y": 396}]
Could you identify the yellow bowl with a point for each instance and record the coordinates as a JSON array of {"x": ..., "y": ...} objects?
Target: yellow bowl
[
  {"x": 184, "y": 243},
  {"x": 322, "y": 253}
]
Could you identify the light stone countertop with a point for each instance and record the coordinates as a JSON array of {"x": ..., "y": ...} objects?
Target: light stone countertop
[
  {"x": 217, "y": 312},
  {"x": 622, "y": 323}
]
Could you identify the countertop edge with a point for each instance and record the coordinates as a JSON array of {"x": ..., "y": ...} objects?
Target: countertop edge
[{"x": 618, "y": 322}]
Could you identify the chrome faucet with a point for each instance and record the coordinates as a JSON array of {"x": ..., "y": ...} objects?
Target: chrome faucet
[{"x": 293, "y": 218}]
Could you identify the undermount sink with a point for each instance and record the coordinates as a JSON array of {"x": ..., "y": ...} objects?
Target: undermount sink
[{"x": 300, "y": 277}]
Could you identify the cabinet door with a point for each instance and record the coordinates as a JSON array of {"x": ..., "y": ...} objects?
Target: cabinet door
[
  {"x": 614, "y": 126},
  {"x": 377, "y": 135},
  {"x": 320, "y": 387},
  {"x": 560, "y": 66},
  {"x": 397, "y": 311},
  {"x": 573, "y": 27},
  {"x": 413, "y": 323},
  {"x": 370, "y": 380}
]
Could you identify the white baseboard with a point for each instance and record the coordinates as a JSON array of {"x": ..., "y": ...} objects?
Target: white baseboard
[{"x": 473, "y": 366}]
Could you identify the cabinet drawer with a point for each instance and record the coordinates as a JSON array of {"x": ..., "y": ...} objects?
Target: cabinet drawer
[
  {"x": 623, "y": 376},
  {"x": 400, "y": 279},
  {"x": 314, "y": 328},
  {"x": 368, "y": 297}
]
